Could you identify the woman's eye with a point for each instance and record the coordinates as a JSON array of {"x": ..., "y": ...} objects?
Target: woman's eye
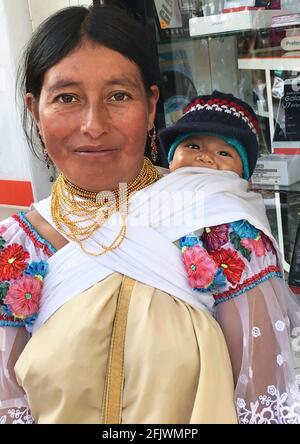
[
  {"x": 193, "y": 146},
  {"x": 66, "y": 98},
  {"x": 119, "y": 97}
]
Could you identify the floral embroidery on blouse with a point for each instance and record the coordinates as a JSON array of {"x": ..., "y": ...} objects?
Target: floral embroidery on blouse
[
  {"x": 2, "y": 229},
  {"x": 229, "y": 259},
  {"x": 215, "y": 237},
  {"x": 13, "y": 261},
  {"x": 196, "y": 258},
  {"x": 273, "y": 407},
  {"x": 21, "y": 277}
]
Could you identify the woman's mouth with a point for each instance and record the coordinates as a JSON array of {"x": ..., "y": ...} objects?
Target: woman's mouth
[{"x": 95, "y": 150}]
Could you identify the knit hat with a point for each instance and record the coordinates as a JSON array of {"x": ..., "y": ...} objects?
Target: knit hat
[{"x": 221, "y": 114}]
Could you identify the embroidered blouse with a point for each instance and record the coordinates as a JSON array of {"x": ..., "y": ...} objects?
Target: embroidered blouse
[
  {"x": 259, "y": 316},
  {"x": 235, "y": 262},
  {"x": 23, "y": 266},
  {"x": 228, "y": 260}
]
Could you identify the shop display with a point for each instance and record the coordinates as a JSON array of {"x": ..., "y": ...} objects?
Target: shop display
[
  {"x": 277, "y": 169},
  {"x": 265, "y": 71}
]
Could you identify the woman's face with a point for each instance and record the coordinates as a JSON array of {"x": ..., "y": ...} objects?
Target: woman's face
[
  {"x": 93, "y": 115},
  {"x": 209, "y": 152}
]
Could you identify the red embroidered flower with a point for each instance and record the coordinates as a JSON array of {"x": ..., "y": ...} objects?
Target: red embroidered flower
[
  {"x": 214, "y": 237},
  {"x": 267, "y": 243},
  {"x": 230, "y": 262},
  {"x": 13, "y": 260},
  {"x": 2, "y": 229},
  {"x": 23, "y": 297},
  {"x": 200, "y": 266},
  {"x": 255, "y": 245}
]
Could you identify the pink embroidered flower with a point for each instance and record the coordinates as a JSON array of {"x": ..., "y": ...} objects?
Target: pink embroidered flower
[
  {"x": 200, "y": 266},
  {"x": 214, "y": 237},
  {"x": 23, "y": 297},
  {"x": 230, "y": 262},
  {"x": 13, "y": 260},
  {"x": 2, "y": 229},
  {"x": 255, "y": 245}
]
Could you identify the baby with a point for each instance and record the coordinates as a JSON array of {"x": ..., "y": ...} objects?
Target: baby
[
  {"x": 235, "y": 261},
  {"x": 219, "y": 132}
]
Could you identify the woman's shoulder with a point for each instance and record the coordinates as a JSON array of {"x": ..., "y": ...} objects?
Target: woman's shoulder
[{"x": 21, "y": 229}]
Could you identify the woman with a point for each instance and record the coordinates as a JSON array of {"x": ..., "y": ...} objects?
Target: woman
[{"x": 113, "y": 341}]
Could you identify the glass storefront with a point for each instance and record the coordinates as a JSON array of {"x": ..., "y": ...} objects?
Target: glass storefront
[{"x": 252, "y": 50}]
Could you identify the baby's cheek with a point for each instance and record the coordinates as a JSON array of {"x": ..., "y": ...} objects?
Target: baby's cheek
[{"x": 179, "y": 161}]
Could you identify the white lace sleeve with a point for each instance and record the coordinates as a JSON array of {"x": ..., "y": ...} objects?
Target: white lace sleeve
[
  {"x": 13, "y": 404},
  {"x": 262, "y": 330}
]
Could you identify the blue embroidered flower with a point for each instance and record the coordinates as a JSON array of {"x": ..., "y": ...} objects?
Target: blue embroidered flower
[
  {"x": 220, "y": 279},
  {"x": 30, "y": 320},
  {"x": 244, "y": 229},
  {"x": 38, "y": 269},
  {"x": 189, "y": 241}
]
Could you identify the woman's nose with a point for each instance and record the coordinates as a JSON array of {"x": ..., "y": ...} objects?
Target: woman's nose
[{"x": 95, "y": 120}]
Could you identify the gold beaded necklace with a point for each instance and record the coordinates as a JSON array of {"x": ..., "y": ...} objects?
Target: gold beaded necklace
[{"x": 78, "y": 213}]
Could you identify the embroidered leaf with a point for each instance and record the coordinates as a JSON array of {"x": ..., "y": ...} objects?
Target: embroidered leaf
[
  {"x": 4, "y": 287},
  {"x": 2, "y": 242},
  {"x": 246, "y": 253},
  {"x": 235, "y": 239}
]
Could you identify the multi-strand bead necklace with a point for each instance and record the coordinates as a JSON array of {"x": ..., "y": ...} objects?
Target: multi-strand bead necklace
[{"x": 78, "y": 213}]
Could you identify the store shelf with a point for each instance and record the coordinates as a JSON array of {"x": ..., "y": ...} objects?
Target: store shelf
[
  {"x": 230, "y": 22},
  {"x": 286, "y": 61},
  {"x": 294, "y": 188}
]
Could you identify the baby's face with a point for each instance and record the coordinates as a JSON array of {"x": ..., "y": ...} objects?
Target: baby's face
[{"x": 209, "y": 152}]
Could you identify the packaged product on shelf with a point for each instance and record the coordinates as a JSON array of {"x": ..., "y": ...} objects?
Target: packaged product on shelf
[
  {"x": 277, "y": 169},
  {"x": 168, "y": 13},
  {"x": 237, "y": 5}
]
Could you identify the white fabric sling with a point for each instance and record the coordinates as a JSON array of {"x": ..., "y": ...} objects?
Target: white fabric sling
[{"x": 148, "y": 254}]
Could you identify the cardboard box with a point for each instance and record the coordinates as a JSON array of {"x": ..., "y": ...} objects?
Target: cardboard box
[
  {"x": 232, "y": 21},
  {"x": 277, "y": 169}
]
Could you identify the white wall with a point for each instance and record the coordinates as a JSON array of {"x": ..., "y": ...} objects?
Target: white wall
[
  {"x": 41, "y": 9},
  {"x": 14, "y": 164},
  {"x": 16, "y": 160}
]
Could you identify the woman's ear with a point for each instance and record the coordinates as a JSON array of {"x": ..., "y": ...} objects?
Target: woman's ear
[
  {"x": 32, "y": 106},
  {"x": 153, "y": 99}
]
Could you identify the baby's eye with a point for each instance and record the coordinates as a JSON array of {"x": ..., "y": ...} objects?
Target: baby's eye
[
  {"x": 193, "y": 146},
  {"x": 119, "y": 97},
  {"x": 224, "y": 153}
]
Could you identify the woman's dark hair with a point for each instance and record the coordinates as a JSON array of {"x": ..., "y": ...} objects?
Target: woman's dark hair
[{"x": 61, "y": 33}]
